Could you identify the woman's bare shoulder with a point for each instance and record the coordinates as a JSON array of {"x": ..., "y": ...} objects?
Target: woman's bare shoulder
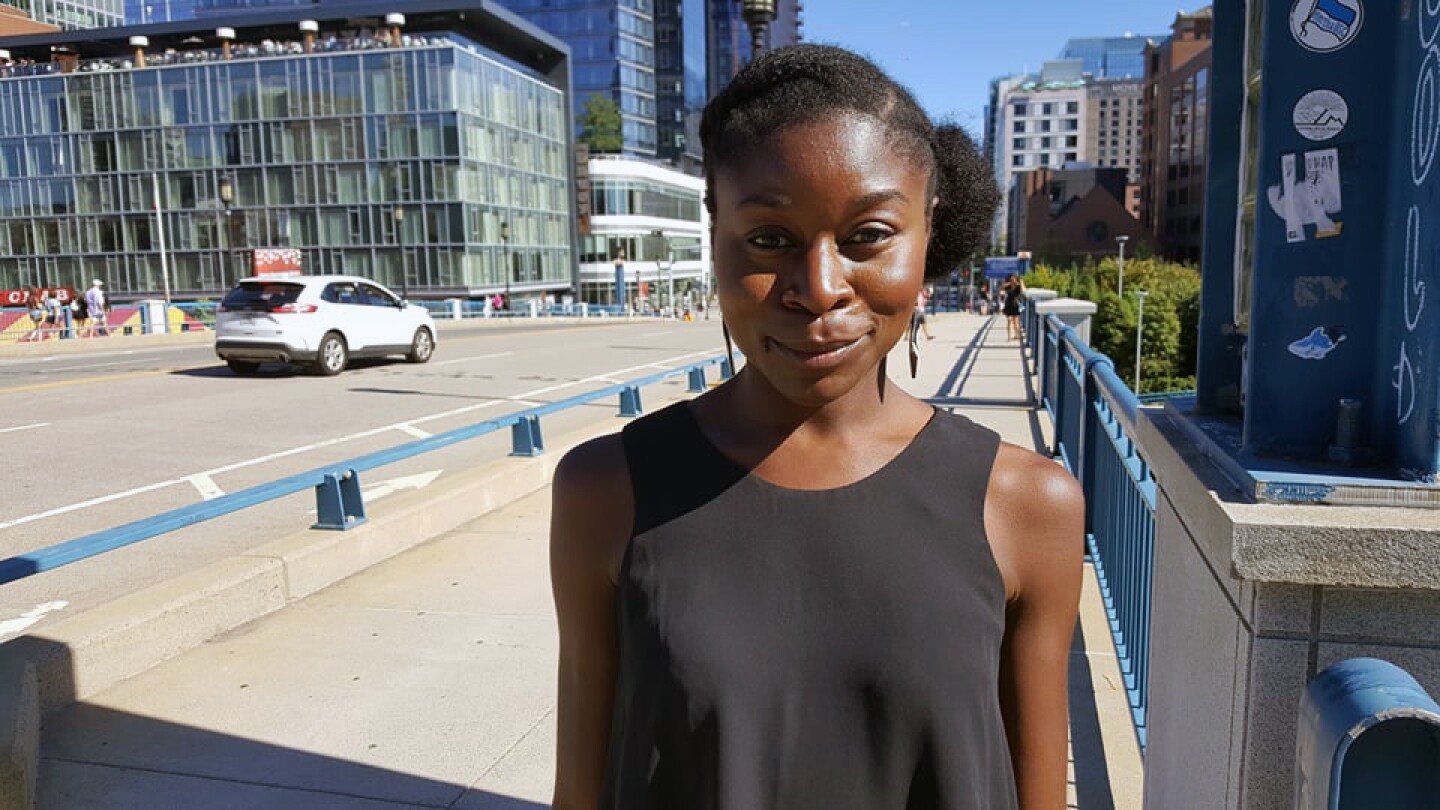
[
  {"x": 1034, "y": 515},
  {"x": 592, "y": 506}
]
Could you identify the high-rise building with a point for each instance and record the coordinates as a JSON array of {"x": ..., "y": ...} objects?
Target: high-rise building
[
  {"x": 146, "y": 12},
  {"x": 1115, "y": 116},
  {"x": 1035, "y": 120},
  {"x": 1109, "y": 57},
  {"x": 70, "y": 14},
  {"x": 612, "y": 49},
  {"x": 1177, "y": 93},
  {"x": 681, "y": 90},
  {"x": 728, "y": 38},
  {"x": 438, "y": 152}
]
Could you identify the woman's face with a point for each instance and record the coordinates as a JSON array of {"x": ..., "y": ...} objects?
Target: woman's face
[{"x": 820, "y": 239}]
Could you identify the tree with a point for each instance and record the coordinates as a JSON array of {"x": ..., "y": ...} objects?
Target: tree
[{"x": 600, "y": 124}]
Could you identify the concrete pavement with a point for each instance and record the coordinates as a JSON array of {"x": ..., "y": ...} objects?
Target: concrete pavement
[{"x": 428, "y": 680}]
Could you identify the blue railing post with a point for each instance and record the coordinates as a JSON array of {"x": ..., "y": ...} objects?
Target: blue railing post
[
  {"x": 726, "y": 370},
  {"x": 697, "y": 380},
  {"x": 630, "y": 401},
  {"x": 525, "y": 437},
  {"x": 338, "y": 503},
  {"x": 1090, "y": 434}
]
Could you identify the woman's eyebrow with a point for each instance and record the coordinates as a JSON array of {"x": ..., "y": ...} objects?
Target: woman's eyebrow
[{"x": 870, "y": 200}]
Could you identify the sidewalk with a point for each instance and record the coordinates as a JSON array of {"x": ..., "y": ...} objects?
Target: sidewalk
[{"x": 428, "y": 680}]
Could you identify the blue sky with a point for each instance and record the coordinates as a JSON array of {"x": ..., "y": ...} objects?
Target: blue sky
[{"x": 947, "y": 51}]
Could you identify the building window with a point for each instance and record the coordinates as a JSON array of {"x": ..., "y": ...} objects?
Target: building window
[
  {"x": 1018, "y": 160},
  {"x": 1072, "y": 107},
  {"x": 1020, "y": 110},
  {"x": 1072, "y": 140},
  {"x": 1072, "y": 124},
  {"x": 1018, "y": 143},
  {"x": 1019, "y": 126},
  {"x": 1045, "y": 143},
  {"x": 1044, "y": 126}
]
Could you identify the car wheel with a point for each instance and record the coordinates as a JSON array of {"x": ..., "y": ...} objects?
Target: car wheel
[
  {"x": 421, "y": 346},
  {"x": 333, "y": 356},
  {"x": 243, "y": 366}
]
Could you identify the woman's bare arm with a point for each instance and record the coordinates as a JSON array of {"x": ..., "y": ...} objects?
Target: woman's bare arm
[
  {"x": 591, "y": 514},
  {"x": 1035, "y": 516}
]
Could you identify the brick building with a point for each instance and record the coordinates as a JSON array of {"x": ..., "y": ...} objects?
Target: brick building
[{"x": 1177, "y": 93}]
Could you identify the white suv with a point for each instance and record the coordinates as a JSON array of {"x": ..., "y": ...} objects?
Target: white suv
[{"x": 318, "y": 320}]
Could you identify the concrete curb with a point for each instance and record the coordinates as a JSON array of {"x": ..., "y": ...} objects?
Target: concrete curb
[
  {"x": 76, "y": 658},
  {"x": 49, "y": 348}
]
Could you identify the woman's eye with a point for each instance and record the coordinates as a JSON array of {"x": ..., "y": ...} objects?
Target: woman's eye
[
  {"x": 869, "y": 236},
  {"x": 769, "y": 241}
]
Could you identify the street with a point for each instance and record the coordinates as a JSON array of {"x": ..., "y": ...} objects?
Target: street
[{"x": 100, "y": 439}]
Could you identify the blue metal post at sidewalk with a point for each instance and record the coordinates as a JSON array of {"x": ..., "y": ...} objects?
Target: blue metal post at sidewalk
[
  {"x": 338, "y": 503},
  {"x": 1328, "y": 288},
  {"x": 630, "y": 401},
  {"x": 697, "y": 381},
  {"x": 525, "y": 437}
]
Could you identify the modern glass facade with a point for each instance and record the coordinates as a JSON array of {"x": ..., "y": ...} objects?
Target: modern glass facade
[
  {"x": 1110, "y": 57},
  {"x": 74, "y": 13},
  {"x": 612, "y": 48},
  {"x": 371, "y": 160},
  {"x": 146, "y": 12},
  {"x": 680, "y": 79},
  {"x": 652, "y": 218}
]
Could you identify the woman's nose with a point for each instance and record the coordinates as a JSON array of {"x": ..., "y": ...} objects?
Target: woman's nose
[{"x": 820, "y": 280}]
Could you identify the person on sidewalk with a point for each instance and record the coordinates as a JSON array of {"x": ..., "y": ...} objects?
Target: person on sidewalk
[
  {"x": 805, "y": 587},
  {"x": 922, "y": 303},
  {"x": 98, "y": 306},
  {"x": 35, "y": 310},
  {"x": 1011, "y": 294}
]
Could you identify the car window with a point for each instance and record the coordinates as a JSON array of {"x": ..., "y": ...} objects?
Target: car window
[
  {"x": 376, "y": 297},
  {"x": 342, "y": 292},
  {"x": 261, "y": 296}
]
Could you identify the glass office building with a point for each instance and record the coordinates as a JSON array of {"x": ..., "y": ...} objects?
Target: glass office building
[
  {"x": 612, "y": 45},
  {"x": 1110, "y": 57},
  {"x": 437, "y": 159},
  {"x": 73, "y": 13}
]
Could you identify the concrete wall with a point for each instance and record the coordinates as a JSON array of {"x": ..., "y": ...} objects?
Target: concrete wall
[{"x": 1232, "y": 649}]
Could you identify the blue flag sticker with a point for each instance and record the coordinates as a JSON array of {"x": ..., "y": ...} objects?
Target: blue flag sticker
[{"x": 1323, "y": 26}]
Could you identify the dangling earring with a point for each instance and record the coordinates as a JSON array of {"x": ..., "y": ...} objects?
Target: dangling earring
[
  {"x": 729, "y": 346},
  {"x": 914, "y": 347},
  {"x": 884, "y": 376}
]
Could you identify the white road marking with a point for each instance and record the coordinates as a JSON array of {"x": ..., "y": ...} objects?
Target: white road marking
[
  {"x": 527, "y": 395},
  {"x": 97, "y": 366},
  {"x": 476, "y": 357},
  {"x": 209, "y": 490},
  {"x": 24, "y": 427},
  {"x": 413, "y": 431},
  {"x": 10, "y": 627},
  {"x": 393, "y": 485}
]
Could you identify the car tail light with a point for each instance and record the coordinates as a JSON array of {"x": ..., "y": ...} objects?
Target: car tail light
[{"x": 294, "y": 308}]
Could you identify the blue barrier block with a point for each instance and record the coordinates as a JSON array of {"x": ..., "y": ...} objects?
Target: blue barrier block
[
  {"x": 525, "y": 438},
  {"x": 338, "y": 503},
  {"x": 1369, "y": 736},
  {"x": 630, "y": 401},
  {"x": 726, "y": 370},
  {"x": 697, "y": 380}
]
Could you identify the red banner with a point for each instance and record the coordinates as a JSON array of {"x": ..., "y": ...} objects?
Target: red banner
[
  {"x": 276, "y": 262},
  {"x": 19, "y": 298}
]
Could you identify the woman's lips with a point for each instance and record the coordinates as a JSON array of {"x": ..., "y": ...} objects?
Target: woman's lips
[{"x": 816, "y": 355}]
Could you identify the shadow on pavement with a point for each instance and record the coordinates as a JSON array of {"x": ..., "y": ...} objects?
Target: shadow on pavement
[
  {"x": 90, "y": 756},
  {"x": 93, "y": 757},
  {"x": 1092, "y": 775}
]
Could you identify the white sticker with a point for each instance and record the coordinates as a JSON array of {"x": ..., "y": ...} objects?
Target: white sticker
[
  {"x": 1323, "y": 26},
  {"x": 1314, "y": 200},
  {"x": 1321, "y": 115}
]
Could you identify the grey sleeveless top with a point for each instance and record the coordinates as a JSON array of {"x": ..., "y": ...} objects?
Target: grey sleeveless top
[{"x": 808, "y": 649}]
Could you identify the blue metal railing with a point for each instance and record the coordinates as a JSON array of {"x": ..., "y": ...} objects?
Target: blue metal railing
[
  {"x": 336, "y": 485},
  {"x": 1094, "y": 415}
]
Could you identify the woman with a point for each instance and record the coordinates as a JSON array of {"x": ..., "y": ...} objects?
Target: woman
[
  {"x": 922, "y": 304},
  {"x": 1011, "y": 293},
  {"x": 807, "y": 588},
  {"x": 35, "y": 307}
]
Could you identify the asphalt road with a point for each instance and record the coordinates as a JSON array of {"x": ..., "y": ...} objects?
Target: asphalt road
[{"x": 94, "y": 440}]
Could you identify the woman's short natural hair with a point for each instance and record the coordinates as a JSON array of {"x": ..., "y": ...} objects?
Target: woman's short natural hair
[{"x": 804, "y": 84}]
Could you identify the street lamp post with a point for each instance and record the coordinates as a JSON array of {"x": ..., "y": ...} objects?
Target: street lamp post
[
  {"x": 757, "y": 15},
  {"x": 1121, "y": 286},
  {"x": 505, "y": 241},
  {"x": 227, "y": 199},
  {"x": 400, "y": 243},
  {"x": 1139, "y": 337}
]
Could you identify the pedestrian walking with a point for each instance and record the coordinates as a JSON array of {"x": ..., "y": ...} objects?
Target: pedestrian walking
[
  {"x": 1012, "y": 292},
  {"x": 922, "y": 303},
  {"x": 806, "y": 587},
  {"x": 35, "y": 310},
  {"x": 54, "y": 314},
  {"x": 98, "y": 305}
]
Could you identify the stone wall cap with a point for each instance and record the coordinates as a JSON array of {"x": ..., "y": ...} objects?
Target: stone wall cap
[{"x": 1067, "y": 306}]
